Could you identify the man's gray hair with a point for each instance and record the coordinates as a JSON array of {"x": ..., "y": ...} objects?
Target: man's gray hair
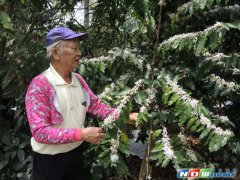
[{"x": 50, "y": 47}]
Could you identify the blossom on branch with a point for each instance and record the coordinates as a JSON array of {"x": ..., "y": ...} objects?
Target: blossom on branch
[{"x": 167, "y": 148}]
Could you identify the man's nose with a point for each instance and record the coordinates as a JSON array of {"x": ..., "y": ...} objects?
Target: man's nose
[{"x": 79, "y": 53}]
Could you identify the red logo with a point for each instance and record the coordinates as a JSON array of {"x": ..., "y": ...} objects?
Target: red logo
[{"x": 194, "y": 173}]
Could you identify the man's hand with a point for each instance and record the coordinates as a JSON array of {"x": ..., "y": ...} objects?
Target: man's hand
[
  {"x": 132, "y": 118},
  {"x": 93, "y": 135}
]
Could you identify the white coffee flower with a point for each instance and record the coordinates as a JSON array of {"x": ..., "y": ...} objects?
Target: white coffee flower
[
  {"x": 190, "y": 153},
  {"x": 167, "y": 149},
  {"x": 114, "y": 159}
]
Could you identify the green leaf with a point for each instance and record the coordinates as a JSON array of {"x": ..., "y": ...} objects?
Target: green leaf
[
  {"x": 124, "y": 138},
  {"x": 210, "y": 135},
  {"x": 218, "y": 1},
  {"x": 183, "y": 118},
  {"x": 225, "y": 92},
  {"x": 138, "y": 98},
  {"x": 202, "y": 109},
  {"x": 158, "y": 147},
  {"x": 190, "y": 84},
  {"x": 173, "y": 99},
  {"x": 3, "y": 164},
  {"x": 179, "y": 156},
  {"x": 145, "y": 117},
  {"x": 104, "y": 153},
  {"x": 195, "y": 126},
  {"x": 165, "y": 162},
  {"x": 215, "y": 143},
  {"x": 204, "y": 133},
  {"x": 214, "y": 40},
  {"x": 2, "y": 2},
  {"x": 139, "y": 119},
  {"x": 233, "y": 25},
  {"x": 191, "y": 122},
  {"x": 167, "y": 92},
  {"x": 18, "y": 166},
  {"x": 112, "y": 133},
  {"x": 159, "y": 157},
  {"x": 6, "y": 139},
  {"x": 6, "y": 20},
  {"x": 156, "y": 133},
  {"x": 200, "y": 128},
  {"x": 224, "y": 140},
  {"x": 200, "y": 47},
  {"x": 21, "y": 155},
  {"x": 121, "y": 167},
  {"x": 203, "y": 4},
  {"x": 102, "y": 67},
  {"x": 140, "y": 7},
  {"x": 210, "y": 3},
  {"x": 38, "y": 4}
]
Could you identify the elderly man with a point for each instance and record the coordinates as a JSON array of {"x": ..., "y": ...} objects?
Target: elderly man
[{"x": 56, "y": 102}]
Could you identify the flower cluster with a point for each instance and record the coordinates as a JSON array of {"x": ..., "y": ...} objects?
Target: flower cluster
[
  {"x": 107, "y": 90},
  {"x": 216, "y": 58},
  {"x": 149, "y": 68},
  {"x": 98, "y": 59},
  {"x": 236, "y": 71},
  {"x": 235, "y": 7},
  {"x": 114, "y": 149},
  {"x": 167, "y": 148},
  {"x": 185, "y": 6},
  {"x": 221, "y": 82},
  {"x": 191, "y": 35},
  {"x": 152, "y": 93},
  {"x": 215, "y": 26},
  {"x": 178, "y": 37},
  {"x": 113, "y": 86},
  {"x": 189, "y": 152},
  {"x": 109, "y": 119},
  {"x": 205, "y": 121},
  {"x": 183, "y": 94},
  {"x": 130, "y": 93},
  {"x": 224, "y": 119}
]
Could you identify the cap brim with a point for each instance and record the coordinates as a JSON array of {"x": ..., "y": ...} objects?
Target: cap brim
[{"x": 80, "y": 36}]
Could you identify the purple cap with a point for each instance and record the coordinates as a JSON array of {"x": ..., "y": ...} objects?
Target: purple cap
[{"x": 62, "y": 33}]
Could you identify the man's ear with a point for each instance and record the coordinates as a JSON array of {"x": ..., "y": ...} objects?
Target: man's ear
[{"x": 55, "y": 53}]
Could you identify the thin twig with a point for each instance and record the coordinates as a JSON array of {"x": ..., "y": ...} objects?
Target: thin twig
[{"x": 146, "y": 160}]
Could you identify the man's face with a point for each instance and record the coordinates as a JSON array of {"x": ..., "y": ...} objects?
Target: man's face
[{"x": 69, "y": 54}]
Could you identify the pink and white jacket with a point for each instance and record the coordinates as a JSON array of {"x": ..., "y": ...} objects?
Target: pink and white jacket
[{"x": 42, "y": 113}]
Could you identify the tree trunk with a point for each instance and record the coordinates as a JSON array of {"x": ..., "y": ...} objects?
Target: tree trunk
[{"x": 86, "y": 14}]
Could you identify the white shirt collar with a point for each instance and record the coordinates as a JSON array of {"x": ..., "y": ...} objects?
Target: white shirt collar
[{"x": 58, "y": 80}]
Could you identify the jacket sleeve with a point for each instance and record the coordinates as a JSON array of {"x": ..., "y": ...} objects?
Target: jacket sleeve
[
  {"x": 38, "y": 110},
  {"x": 96, "y": 107}
]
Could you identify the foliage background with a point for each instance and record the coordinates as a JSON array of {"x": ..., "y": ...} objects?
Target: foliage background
[{"x": 193, "y": 68}]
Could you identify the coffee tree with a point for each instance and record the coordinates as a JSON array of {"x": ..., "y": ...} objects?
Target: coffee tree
[
  {"x": 184, "y": 82},
  {"x": 174, "y": 62}
]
